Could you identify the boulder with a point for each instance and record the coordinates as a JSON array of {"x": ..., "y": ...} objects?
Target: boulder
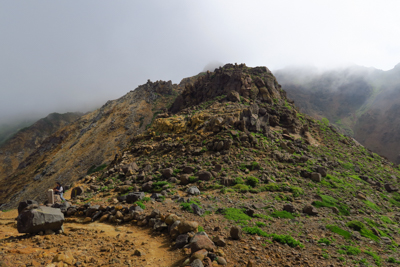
[
  {"x": 193, "y": 190},
  {"x": 323, "y": 171},
  {"x": 310, "y": 210},
  {"x": 39, "y": 220},
  {"x": 181, "y": 240},
  {"x": 200, "y": 242},
  {"x": 236, "y": 232},
  {"x": 135, "y": 196},
  {"x": 204, "y": 175},
  {"x": 130, "y": 168},
  {"x": 316, "y": 177},
  {"x": 188, "y": 226},
  {"x": 77, "y": 191},
  {"x": 289, "y": 208},
  {"x": 390, "y": 188},
  {"x": 167, "y": 173}
]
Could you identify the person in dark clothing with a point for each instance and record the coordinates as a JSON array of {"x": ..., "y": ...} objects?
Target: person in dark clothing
[{"x": 59, "y": 190}]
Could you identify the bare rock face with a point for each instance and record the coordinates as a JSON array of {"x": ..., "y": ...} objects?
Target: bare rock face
[{"x": 39, "y": 220}]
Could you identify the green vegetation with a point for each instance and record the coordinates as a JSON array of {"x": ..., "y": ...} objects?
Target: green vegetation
[
  {"x": 283, "y": 239},
  {"x": 94, "y": 169},
  {"x": 282, "y": 214},
  {"x": 252, "y": 181},
  {"x": 360, "y": 227},
  {"x": 325, "y": 241},
  {"x": 349, "y": 250},
  {"x": 328, "y": 201},
  {"x": 187, "y": 206},
  {"x": 236, "y": 215},
  {"x": 339, "y": 231},
  {"x": 140, "y": 204}
]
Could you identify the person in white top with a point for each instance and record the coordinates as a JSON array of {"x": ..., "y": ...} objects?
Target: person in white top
[{"x": 59, "y": 190}]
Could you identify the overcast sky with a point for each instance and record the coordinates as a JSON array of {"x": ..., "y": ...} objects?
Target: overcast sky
[{"x": 59, "y": 56}]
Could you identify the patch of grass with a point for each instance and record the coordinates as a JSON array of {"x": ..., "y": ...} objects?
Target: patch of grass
[
  {"x": 339, "y": 231},
  {"x": 158, "y": 186},
  {"x": 349, "y": 250},
  {"x": 261, "y": 224},
  {"x": 200, "y": 229},
  {"x": 328, "y": 201},
  {"x": 387, "y": 220},
  {"x": 283, "y": 239},
  {"x": 241, "y": 188},
  {"x": 364, "y": 231},
  {"x": 252, "y": 181},
  {"x": 325, "y": 241},
  {"x": 377, "y": 259},
  {"x": 187, "y": 205},
  {"x": 272, "y": 187},
  {"x": 287, "y": 239},
  {"x": 347, "y": 165},
  {"x": 140, "y": 204},
  {"x": 236, "y": 215},
  {"x": 192, "y": 179},
  {"x": 145, "y": 199},
  {"x": 282, "y": 214},
  {"x": 255, "y": 231},
  {"x": 296, "y": 191},
  {"x": 371, "y": 205},
  {"x": 393, "y": 260},
  {"x": 94, "y": 169}
]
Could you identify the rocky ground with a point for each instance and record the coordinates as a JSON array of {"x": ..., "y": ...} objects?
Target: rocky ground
[{"x": 239, "y": 178}]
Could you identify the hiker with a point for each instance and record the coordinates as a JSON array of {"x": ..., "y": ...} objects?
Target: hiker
[{"x": 59, "y": 190}]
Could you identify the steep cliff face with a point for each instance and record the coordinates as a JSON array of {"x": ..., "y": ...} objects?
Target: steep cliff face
[
  {"x": 92, "y": 140},
  {"x": 24, "y": 142},
  {"x": 361, "y": 101}
]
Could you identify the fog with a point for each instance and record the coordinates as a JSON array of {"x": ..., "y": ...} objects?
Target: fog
[{"x": 59, "y": 56}]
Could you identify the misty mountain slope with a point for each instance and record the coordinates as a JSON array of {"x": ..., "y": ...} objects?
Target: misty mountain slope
[
  {"x": 21, "y": 144},
  {"x": 92, "y": 140},
  {"x": 362, "y": 101},
  {"x": 7, "y": 130}
]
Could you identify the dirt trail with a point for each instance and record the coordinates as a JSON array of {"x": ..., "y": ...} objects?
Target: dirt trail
[{"x": 94, "y": 244}]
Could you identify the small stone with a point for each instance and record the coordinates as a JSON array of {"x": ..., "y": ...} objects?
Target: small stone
[
  {"x": 236, "y": 232},
  {"x": 219, "y": 241},
  {"x": 316, "y": 177},
  {"x": 139, "y": 253},
  {"x": 87, "y": 220},
  {"x": 196, "y": 263},
  {"x": 310, "y": 210},
  {"x": 221, "y": 261}
]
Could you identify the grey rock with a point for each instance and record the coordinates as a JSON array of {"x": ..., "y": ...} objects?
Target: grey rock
[
  {"x": 196, "y": 209},
  {"x": 181, "y": 240},
  {"x": 316, "y": 177},
  {"x": 40, "y": 219},
  {"x": 204, "y": 175},
  {"x": 135, "y": 196},
  {"x": 196, "y": 263},
  {"x": 310, "y": 210},
  {"x": 193, "y": 190}
]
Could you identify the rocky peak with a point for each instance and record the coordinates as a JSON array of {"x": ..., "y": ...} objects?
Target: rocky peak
[{"x": 254, "y": 83}]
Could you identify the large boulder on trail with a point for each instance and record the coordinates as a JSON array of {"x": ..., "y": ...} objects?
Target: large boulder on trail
[{"x": 41, "y": 219}]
